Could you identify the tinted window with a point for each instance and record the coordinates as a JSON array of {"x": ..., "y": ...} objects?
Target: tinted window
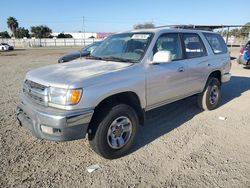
[
  {"x": 194, "y": 47},
  {"x": 169, "y": 42},
  {"x": 216, "y": 42}
]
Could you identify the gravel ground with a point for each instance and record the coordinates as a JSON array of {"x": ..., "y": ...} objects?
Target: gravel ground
[{"x": 180, "y": 145}]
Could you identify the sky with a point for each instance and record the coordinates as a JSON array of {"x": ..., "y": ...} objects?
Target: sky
[{"x": 118, "y": 15}]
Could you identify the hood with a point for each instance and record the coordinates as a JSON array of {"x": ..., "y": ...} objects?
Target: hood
[{"x": 66, "y": 74}]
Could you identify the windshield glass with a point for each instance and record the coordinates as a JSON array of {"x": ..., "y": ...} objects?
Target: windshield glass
[{"x": 125, "y": 46}]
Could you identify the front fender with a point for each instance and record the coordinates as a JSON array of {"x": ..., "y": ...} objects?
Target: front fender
[{"x": 127, "y": 80}]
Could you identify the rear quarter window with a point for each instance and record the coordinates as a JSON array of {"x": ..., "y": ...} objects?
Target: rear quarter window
[{"x": 216, "y": 42}]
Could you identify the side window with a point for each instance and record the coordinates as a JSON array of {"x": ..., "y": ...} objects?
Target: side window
[
  {"x": 194, "y": 46},
  {"x": 216, "y": 42},
  {"x": 169, "y": 42}
]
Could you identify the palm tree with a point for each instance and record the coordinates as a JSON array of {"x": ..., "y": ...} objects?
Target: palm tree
[
  {"x": 12, "y": 24},
  {"x": 41, "y": 31}
]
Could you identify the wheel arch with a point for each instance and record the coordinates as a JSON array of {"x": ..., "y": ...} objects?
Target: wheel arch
[
  {"x": 213, "y": 74},
  {"x": 130, "y": 98}
]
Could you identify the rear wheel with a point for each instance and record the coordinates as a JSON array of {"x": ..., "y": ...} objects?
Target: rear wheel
[
  {"x": 210, "y": 97},
  {"x": 115, "y": 131}
]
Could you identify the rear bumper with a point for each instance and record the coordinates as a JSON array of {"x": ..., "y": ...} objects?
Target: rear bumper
[
  {"x": 226, "y": 77},
  {"x": 53, "y": 124}
]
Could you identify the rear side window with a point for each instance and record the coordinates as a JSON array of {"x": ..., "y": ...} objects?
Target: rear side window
[
  {"x": 216, "y": 42},
  {"x": 194, "y": 46}
]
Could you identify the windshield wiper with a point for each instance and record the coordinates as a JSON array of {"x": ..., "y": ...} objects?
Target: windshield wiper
[
  {"x": 112, "y": 58},
  {"x": 93, "y": 57}
]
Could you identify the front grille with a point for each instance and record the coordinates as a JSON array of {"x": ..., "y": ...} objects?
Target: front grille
[
  {"x": 36, "y": 92},
  {"x": 35, "y": 85}
]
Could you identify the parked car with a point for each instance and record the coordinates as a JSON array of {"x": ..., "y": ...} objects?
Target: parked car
[
  {"x": 82, "y": 53},
  {"x": 241, "y": 59},
  {"x": 107, "y": 94},
  {"x": 5, "y": 47}
]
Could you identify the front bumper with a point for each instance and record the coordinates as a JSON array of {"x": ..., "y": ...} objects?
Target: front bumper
[
  {"x": 53, "y": 124},
  {"x": 226, "y": 77}
]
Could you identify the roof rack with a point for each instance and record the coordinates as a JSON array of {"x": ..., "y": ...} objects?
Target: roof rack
[{"x": 200, "y": 27}]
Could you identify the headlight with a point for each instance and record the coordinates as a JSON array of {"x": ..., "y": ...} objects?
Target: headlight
[{"x": 64, "y": 96}]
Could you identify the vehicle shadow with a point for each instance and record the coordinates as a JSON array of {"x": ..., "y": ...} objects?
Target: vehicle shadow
[
  {"x": 16, "y": 49},
  {"x": 234, "y": 88},
  {"x": 162, "y": 120},
  {"x": 19, "y": 49},
  {"x": 246, "y": 67}
]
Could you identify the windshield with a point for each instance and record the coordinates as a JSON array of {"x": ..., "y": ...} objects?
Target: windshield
[{"x": 124, "y": 47}]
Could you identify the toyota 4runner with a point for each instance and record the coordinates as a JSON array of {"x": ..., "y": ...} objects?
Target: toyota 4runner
[{"x": 105, "y": 96}]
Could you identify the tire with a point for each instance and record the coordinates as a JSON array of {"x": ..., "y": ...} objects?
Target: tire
[
  {"x": 210, "y": 97},
  {"x": 106, "y": 138}
]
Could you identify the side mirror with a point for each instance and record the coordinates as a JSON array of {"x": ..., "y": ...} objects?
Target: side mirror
[{"x": 162, "y": 57}]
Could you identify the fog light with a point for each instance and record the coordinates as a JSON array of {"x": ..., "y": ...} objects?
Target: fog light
[{"x": 48, "y": 130}]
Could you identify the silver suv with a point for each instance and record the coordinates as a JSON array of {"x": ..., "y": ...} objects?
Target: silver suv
[{"x": 106, "y": 95}]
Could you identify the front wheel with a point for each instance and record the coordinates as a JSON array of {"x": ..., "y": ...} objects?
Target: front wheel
[
  {"x": 210, "y": 97},
  {"x": 115, "y": 132}
]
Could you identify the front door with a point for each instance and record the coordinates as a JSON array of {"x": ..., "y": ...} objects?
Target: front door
[{"x": 166, "y": 82}]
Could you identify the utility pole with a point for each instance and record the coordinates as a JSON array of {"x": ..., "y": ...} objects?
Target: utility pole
[
  {"x": 83, "y": 29},
  {"x": 227, "y": 34},
  {"x": 222, "y": 30}
]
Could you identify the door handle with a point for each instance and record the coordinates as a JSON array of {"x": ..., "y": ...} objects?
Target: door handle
[{"x": 181, "y": 69}]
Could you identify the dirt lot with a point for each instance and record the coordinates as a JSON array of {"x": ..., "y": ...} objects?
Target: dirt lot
[{"x": 180, "y": 146}]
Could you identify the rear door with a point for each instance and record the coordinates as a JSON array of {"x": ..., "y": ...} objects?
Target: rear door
[{"x": 196, "y": 60}]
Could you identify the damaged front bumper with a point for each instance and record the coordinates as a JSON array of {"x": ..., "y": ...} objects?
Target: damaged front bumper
[{"x": 53, "y": 124}]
